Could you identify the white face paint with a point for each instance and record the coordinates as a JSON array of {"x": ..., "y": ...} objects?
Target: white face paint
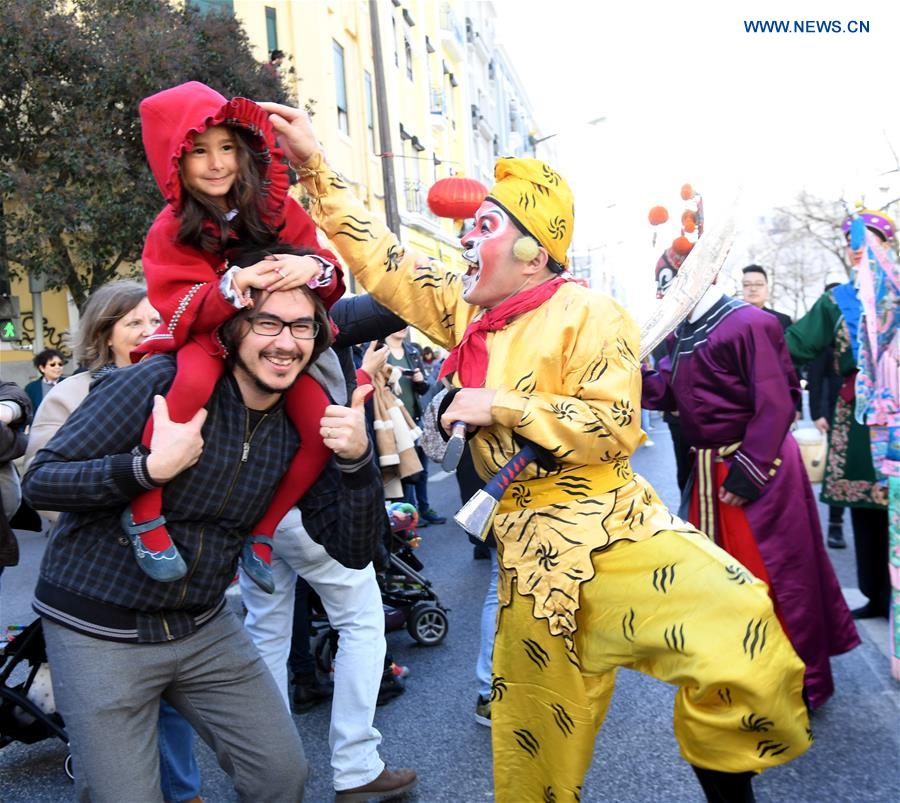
[{"x": 488, "y": 250}]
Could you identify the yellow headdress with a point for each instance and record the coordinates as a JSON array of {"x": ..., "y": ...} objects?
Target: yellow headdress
[{"x": 540, "y": 201}]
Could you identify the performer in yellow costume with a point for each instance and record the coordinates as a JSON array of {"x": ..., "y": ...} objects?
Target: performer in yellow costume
[{"x": 595, "y": 573}]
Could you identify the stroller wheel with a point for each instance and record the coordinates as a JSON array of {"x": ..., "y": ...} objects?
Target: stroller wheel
[
  {"x": 68, "y": 767},
  {"x": 427, "y": 624}
]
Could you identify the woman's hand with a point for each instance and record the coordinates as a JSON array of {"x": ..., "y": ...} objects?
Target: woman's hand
[
  {"x": 374, "y": 359},
  {"x": 295, "y": 132},
  {"x": 343, "y": 429}
]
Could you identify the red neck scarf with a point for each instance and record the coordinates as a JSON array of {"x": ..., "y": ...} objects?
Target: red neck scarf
[{"x": 469, "y": 359}]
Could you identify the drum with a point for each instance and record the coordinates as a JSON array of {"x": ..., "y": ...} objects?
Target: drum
[{"x": 813, "y": 449}]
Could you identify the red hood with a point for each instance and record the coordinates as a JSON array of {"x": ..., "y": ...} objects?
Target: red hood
[{"x": 170, "y": 117}]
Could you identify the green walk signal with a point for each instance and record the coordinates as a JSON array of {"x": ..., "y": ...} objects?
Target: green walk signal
[{"x": 9, "y": 331}]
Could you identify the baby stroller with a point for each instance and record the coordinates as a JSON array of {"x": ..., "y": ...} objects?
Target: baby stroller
[
  {"x": 408, "y": 597},
  {"x": 27, "y": 711}
]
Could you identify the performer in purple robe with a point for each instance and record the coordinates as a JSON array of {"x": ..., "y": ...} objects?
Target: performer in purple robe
[{"x": 732, "y": 381}]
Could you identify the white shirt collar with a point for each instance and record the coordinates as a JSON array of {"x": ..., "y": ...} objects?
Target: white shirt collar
[{"x": 705, "y": 304}]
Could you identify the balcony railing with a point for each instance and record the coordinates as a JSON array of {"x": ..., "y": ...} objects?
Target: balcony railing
[
  {"x": 438, "y": 101},
  {"x": 451, "y": 25}
]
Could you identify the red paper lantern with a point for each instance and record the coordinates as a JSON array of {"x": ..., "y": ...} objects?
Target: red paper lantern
[
  {"x": 682, "y": 246},
  {"x": 687, "y": 192},
  {"x": 658, "y": 215},
  {"x": 456, "y": 197}
]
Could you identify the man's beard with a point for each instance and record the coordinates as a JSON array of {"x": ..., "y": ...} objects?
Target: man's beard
[{"x": 260, "y": 385}]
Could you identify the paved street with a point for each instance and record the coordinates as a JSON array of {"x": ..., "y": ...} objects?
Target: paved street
[{"x": 856, "y": 756}]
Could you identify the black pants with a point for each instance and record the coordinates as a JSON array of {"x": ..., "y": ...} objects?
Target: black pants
[
  {"x": 870, "y": 538},
  {"x": 682, "y": 453}
]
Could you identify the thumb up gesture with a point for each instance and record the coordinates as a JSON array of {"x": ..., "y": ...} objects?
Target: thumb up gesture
[
  {"x": 174, "y": 447},
  {"x": 343, "y": 429}
]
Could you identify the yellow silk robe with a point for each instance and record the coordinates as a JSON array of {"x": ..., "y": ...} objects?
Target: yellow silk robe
[{"x": 567, "y": 376}]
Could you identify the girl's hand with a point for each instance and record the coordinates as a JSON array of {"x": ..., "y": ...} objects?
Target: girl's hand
[
  {"x": 374, "y": 359},
  {"x": 259, "y": 276},
  {"x": 295, "y": 132},
  {"x": 277, "y": 272},
  {"x": 291, "y": 271}
]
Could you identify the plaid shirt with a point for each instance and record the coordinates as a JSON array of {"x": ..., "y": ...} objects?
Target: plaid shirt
[{"x": 94, "y": 466}]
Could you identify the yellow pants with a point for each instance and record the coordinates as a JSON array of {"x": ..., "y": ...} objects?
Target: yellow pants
[{"x": 676, "y": 607}]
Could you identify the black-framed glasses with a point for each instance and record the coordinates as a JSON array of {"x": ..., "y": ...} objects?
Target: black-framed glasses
[{"x": 304, "y": 329}]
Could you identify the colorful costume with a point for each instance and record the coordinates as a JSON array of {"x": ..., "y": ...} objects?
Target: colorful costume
[
  {"x": 850, "y": 476},
  {"x": 732, "y": 382},
  {"x": 860, "y": 319},
  {"x": 184, "y": 284},
  {"x": 595, "y": 573}
]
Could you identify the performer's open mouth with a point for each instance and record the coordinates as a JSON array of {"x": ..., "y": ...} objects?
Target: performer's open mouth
[{"x": 470, "y": 279}]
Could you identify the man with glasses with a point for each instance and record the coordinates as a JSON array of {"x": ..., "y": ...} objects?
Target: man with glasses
[
  {"x": 118, "y": 641},
  {"x": 351, "y": 597},
  {"x": 755, "y": 287}
]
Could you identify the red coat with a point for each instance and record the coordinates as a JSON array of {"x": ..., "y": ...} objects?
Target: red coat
[{"x": 182, "y": 280}]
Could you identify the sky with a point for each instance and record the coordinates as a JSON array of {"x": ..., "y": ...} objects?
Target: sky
[{"x": 690, "y": 96}]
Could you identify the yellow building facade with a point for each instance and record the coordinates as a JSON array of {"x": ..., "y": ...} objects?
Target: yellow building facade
[{"x": 329, "y": 65}]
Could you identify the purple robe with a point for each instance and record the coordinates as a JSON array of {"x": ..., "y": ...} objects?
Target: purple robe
[{"x": 731, "y": 379}]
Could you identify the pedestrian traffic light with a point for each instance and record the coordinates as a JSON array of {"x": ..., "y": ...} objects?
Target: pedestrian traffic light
[{"x": 10, "y": 320}]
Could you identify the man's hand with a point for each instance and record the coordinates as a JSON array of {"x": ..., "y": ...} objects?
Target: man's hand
[
  {"x": 731, "y": 499},
  {"x": 295, "y": 132},
  {"x": 472, "y": 406},
  {"x": 417, "y": 376},
  {"x": 821, "y": 424},
  {"x": 343, "y": 429},
  {"x": 173, "y": 447}
]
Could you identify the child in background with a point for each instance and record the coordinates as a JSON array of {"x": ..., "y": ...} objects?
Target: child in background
[{"x": 225, "y": 185}]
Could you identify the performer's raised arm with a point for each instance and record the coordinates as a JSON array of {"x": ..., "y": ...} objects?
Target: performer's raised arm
[{"x": 417, "y": 288}]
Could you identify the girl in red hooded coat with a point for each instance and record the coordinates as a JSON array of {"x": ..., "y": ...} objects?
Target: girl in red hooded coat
[{"x": 225, "y": 184}]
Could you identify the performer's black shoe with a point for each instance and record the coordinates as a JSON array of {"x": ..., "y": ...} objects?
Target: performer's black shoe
[
  {"x": 481, "y": 552},
  {"x": 869, "y": 611},
  {"x": 836, "y": 536},
  {"x": 726, "y": 787}
]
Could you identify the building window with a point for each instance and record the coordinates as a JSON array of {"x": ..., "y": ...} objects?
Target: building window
[
  {"x": 370, "y": 111},
  {"x": 396, "y": 46},
  {"x": 218, "y": 6},
  {"x": 407, "y": 49},
  {"x": 340, "y": 87},
  {"x": 271, "y": 28}
]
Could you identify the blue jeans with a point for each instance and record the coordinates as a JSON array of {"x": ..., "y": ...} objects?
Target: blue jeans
[
  {"x": 488, "y": 629},
  {"x": 178, "y": 770}
]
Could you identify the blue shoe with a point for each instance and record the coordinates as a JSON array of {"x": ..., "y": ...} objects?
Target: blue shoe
[
  {"x": 257, "y": 570},
  {"x": 166, "y": 565}
]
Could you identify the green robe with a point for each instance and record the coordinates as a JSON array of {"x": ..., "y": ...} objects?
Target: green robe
[{"x": 849, "y": 473}]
